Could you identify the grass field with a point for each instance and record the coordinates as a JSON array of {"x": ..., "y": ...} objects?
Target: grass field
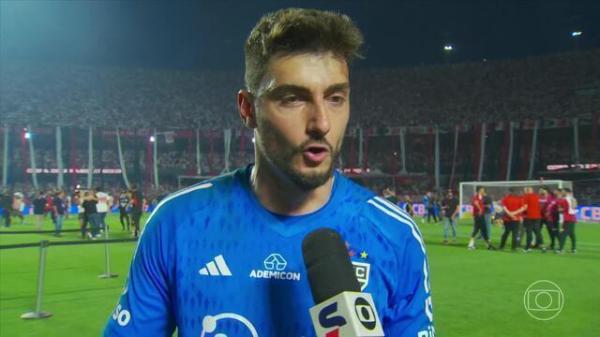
[{"x": 475, "y": 293}]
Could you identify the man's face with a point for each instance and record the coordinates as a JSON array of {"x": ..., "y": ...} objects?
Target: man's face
[{"x": 302, "y": 110}]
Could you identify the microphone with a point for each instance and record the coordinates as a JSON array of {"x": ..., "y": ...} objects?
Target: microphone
[{"x": 341, "y": 310}]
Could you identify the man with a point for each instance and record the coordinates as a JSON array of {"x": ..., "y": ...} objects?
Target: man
[
  {"x": 6, "y": 201},
  {"x": 18, "y": 206},
  {"x": 49, "y": 207},
  {"x": 488, "y": 207},
  {"x": 90, "y": 209},
  {"x": 103, "y": 206},
  {"x": 513, "y": 206},
  {"x": 390, "y": 195},
  {"x": 203, "y": 247},
  {"x": 123, "y": 205},
  {"x": 437, "y": 206},
  {"x": 533, "y": 216},
  {"x": 450, "y": 210},
  {"x": 428, "y": 202},
  {"x": 479, "y": 219},
  {"x": 39, "y": 206},
  {"x": 550, "y": 214},
  {"x": 68, "y": 203},
  {"x": 137, "y": 204},
  {"x": 60, "y": 209},
  {"x": 567, "y": 207},
  {"x": 408, "y": 206}
]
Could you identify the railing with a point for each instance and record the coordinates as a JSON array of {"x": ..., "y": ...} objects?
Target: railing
[{"x": 38, "y": 313}]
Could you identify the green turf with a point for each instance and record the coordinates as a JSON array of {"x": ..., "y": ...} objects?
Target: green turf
[{"x": 475, "y": 293}]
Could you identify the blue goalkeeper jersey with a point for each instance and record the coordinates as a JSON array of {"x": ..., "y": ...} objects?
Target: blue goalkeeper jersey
[{"x": 212, "y": 261}]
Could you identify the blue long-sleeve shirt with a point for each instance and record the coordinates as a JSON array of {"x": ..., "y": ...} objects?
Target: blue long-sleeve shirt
[{"x": 212, "y": 260}]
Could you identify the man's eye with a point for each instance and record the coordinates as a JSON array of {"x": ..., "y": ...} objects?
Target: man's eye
[
  {"x": 337, "y": 99},
  {"x": 290, "y": 99}
]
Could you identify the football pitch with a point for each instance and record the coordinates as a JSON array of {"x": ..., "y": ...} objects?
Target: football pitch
[{"x": 475, "y": 293}]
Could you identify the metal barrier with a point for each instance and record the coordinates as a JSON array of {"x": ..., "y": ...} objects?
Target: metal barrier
[
  {"x": 38, "y": 313},
  {"x": 39, "y": 231},
  {"x": 107, "y": 273}
]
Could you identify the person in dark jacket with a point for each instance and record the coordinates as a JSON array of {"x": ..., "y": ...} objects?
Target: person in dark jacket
[
  {"x": 90, "y": 215},
  {"x": 137, "y": 202},
  {"x": 39, "y": 209},
  {"x": 6, "y": 204}
]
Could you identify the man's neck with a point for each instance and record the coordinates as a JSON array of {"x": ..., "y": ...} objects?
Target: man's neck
[{"x": 278, "y": 194}]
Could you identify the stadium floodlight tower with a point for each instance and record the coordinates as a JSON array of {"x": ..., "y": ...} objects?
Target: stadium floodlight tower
[{"x": 498, "y": 189}]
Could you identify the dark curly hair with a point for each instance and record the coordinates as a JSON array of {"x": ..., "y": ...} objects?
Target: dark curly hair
[{"x": 296, "y": 31}]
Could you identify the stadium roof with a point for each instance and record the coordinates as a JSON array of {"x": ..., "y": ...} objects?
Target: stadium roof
[{"x": 210, "y": 34}]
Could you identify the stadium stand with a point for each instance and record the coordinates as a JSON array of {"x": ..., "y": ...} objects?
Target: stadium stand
[
  {"x": 552, "y": 89},
  {"x": 555, "y": 86}
]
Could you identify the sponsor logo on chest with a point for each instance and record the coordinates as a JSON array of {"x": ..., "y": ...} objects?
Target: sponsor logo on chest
[{"x": 275, "y": 267}]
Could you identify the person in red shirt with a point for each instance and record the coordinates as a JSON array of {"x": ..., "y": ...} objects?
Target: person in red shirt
[
  {"x": 567, "y": 207},
  {"x": 513, "y": 205},
  {"x": 533, "y": 217},
  {"x": 548, "y": 206},
  {"x": 50, "y": 206},
  {"x": 137, "y": 204},
  {"x": 479, "y": 219}
]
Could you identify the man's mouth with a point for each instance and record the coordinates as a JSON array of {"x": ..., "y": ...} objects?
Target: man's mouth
[{"x": 315, "y": 153}]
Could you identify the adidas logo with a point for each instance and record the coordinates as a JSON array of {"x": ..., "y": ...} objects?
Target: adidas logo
[{"x": 217, "y": 267}]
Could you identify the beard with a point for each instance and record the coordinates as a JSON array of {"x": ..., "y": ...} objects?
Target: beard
[{"x": 280, "y": 153}]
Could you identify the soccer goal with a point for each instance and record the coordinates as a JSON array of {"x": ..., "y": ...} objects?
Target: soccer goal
[{"x": 498, "y": 189}]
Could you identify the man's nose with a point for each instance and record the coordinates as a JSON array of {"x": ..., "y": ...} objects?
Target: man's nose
[{"x": 318, "y": 121}]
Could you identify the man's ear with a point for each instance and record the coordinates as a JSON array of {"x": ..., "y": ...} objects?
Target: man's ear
[{"x": 245, "y": 103}]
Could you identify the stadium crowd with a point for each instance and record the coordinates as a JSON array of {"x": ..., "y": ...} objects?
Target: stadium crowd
[
  {"x": 91, "y": 206},
  {"x": 522, "y": 212},
  {"x": 553, "y": 86},
  {"x": 561, "y": 85}
]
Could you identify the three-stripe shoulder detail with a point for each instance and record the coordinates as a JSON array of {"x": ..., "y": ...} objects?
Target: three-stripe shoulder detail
[
  {"x": 399, "y": 215},
  {"x": 178, "y": 194},
  {"x": 169, "y": 198}
]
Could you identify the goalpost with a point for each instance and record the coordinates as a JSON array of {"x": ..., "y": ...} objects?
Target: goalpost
[{"x": 498, "y": 189}]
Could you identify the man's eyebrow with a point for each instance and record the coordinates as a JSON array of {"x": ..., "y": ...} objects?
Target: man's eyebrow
[
  {"x": 337, "y": 87},
  {"x": 286, "y": 88},
  {"x": 292, "y": 88}
]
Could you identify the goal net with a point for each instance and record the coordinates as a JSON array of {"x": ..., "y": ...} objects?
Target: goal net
[{"x": 498, "y": 189}]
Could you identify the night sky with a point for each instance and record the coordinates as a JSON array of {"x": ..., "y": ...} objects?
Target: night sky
[{"x": 210, "y": 34}]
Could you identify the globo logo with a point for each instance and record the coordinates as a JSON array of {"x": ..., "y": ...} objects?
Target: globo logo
[
  {"x": 365, "y": 313},
  {"x": 327, "y": 319}
]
